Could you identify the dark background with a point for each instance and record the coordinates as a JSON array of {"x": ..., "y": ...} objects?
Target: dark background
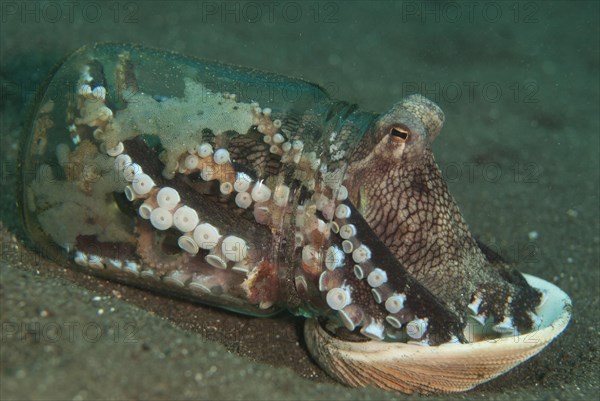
[{"x": 518, "y": 82}]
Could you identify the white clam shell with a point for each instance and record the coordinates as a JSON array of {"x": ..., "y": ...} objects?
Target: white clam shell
[{"x": 453, "y": 367}]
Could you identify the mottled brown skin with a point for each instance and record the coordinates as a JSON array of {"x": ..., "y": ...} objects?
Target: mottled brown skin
[{"x": 395, "y": 182}]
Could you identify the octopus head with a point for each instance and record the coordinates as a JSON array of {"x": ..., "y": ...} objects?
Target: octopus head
[
  {"x": 394, "y": 182},
  {"x": 406, "y": 131}
]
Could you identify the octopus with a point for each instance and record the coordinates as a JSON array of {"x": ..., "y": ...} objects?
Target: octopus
[{"x": 257, "y": 202}]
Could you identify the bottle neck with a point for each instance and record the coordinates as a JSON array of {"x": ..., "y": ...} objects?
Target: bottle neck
[
  {"x": 344, "y": 116},
  {"x": 344, "y": 126}
]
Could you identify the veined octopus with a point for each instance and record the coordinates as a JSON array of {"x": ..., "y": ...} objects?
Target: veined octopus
[{"x": 256, "y": 193}]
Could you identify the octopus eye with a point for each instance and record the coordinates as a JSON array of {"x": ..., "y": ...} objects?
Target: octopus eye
[{"x": 400, "y": 134}]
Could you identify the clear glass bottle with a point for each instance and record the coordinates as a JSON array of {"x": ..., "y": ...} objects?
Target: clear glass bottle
[{"x": 187, "y": 176}]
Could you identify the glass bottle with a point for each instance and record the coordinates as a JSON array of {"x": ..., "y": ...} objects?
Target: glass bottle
[{"x": 189, "y": 177}]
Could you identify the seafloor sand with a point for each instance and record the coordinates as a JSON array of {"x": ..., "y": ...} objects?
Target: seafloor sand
[{"x": 67, "y": 336}]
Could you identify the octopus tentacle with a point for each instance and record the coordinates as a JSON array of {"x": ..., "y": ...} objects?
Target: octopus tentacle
[{"x": 150, "y": 248}]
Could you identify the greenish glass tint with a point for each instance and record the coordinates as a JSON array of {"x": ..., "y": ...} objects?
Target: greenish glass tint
[{"x": 161, "y": 106}]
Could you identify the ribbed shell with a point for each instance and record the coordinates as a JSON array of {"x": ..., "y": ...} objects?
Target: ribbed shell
[{"x": 412, "y": 368}]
